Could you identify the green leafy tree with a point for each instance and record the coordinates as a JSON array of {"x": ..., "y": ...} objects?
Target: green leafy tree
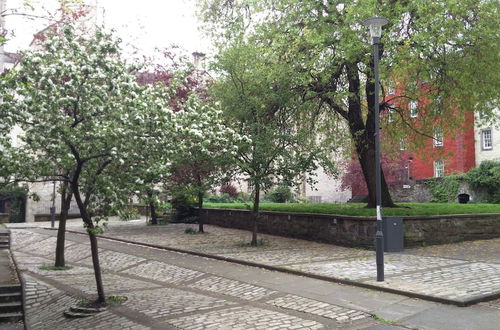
[
  {"x": 255, "y": 93},
  {"x": 486, "y": 176},
  {"x": 208, "y": 147},
  {"x": 442, "y": 54},
  {"x": 84, "y": 122}
]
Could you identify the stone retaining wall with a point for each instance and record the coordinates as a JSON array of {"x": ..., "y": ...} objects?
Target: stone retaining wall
[{"x": 360, "y": 231}]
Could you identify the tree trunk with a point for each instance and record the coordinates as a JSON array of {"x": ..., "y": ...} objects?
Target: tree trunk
[
  {"x": 367, "y": 162},
  {"x": 101, "y": 298},
  {"x": 152, "y": 207},
  {"x": 200, "y": 207},
  {"x": 255, "y": 213},
  {"x": 66, "y": 195},
  {"x": 363, "y": 135}
]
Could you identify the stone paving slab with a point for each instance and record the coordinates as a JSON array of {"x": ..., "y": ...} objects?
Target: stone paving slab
[
  {"x": 461, "y": 282},
  {"x": 294, "y": 256},
  {"x": 239, "y": 318},
  {"x": 45, "y": 306},
  {"x": 164, "y": 272},
  {"x": 337, "y": 313},
  {"x": 165, "y": 302},
  {"x": 366, "y": 268},
  {"x": 232, "y": 288},
  {"x": 20, "y": 238},
  {"x": 113, "y": 260},
  {"x": 338, "y": 263},
  {"x": 188, "y": 299},
  {"x": 86, "y": 283}
]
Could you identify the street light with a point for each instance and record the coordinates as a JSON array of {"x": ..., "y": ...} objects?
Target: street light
[{"x": 375, "y": 24}]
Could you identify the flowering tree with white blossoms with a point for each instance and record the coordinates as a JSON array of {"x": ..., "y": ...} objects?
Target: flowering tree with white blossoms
[
  {"x": 208, "y": 148},
  {"x": 86, "y": 122}
]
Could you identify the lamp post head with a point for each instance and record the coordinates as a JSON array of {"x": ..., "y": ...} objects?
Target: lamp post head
[{"x": 375, "y": 24}]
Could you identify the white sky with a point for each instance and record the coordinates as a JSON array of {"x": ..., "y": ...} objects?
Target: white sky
[{"x": 146, "y": 24}]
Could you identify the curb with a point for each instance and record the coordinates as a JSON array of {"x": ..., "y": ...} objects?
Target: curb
[{"x": 458, "y": 303}]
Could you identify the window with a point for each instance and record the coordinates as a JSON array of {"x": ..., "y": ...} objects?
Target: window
[
  {"x": 486, "y": 139},
  {"x": 390, "y": 113},
  {"x": 438, "y": 137},
  {"x": 402, "y": 144},
  {"x": 437, "y": 106},
  {"x": 438, "y": 168},
  {"x": 413, "y": 106}
]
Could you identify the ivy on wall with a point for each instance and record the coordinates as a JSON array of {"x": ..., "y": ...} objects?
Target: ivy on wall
[
  {"x": 445, "y": 189},
  {"x": 12, "y": 199},
  {"x": 486, "y": 176}
]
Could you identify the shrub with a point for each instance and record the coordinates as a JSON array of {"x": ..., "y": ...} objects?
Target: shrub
[
  {"x": 128, "y": 213},
  {"x": 445, "y": 189},
  {"x": 13, "y": 199},
  {"x": 486, "y": 176},
  {"x": 229, "y": 189},
  {"x": 182, "y": 205},
  {"x": 280, "y": 194},
  {"x": 223, "y": 198}
]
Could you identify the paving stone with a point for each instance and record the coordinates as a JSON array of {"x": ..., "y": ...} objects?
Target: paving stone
[
  {"x": 114, "y": 260},
  {"x": 167, "y": 302},
  {"x": 232, "y": 288},
  {"x": 366, "y": 267},
  {"x": 20, "y": 238},
  {"x": 457, "y": 283},
  {"x": 112, "y": 283},
  {"x": 43, "y": 247},
  {"x": 294, "y": 256},
  {"x": 45, "y": 306},
  {"x": 77, "y": 252},
  {"x": 243, "y": 318},
  {"x": 160, "y": 271},
  {"x": 306, "y": 305}
]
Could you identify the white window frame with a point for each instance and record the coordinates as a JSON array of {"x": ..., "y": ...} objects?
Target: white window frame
[
  {"x": 402, "y": 144},
  {"x": 390, "y": 113},
  {"x": 438, "y": 137},
  {"x": 438, "y": 168},
  {"x": 438, "y": 103},
  {"x": 487, "y": 142},
  {"x": 413, "y": 107}
]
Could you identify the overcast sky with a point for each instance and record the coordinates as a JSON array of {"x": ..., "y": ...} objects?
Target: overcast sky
[{"x": 146, "y": 24}]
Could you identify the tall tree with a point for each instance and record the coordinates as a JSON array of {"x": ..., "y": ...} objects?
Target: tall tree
[
  {"x": 206, "y": 157},
  {"x": 436, "y": 51},
  {"x": 255, "y": 93},
  {"x": 85, "y": 122}
]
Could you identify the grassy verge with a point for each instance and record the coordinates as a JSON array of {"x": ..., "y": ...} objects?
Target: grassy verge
[{"x": 358, "y": 209}]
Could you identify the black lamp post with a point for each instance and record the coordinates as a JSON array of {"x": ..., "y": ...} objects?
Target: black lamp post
[{"x": 375, "y": 24}]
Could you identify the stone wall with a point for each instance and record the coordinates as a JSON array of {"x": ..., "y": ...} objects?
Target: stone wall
[
  {"x": 44, "y": 190},
  {"x": 360, "y": 231},
  {"x": 4, "y": 217}
]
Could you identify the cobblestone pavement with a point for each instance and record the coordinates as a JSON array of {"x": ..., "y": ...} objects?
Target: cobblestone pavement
[
  {"x": 162, "y": 293},
  {"x": 447, "y": 272}
]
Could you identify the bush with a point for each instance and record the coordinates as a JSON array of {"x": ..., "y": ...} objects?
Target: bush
[
  {"x": 128, "y": 213},
  {"x": 229, "y": 189},
  {"x": 222, "y": 198},
  {"x": 182, "y": 206},
  {"x": 13, "y": 199},
  {"x": 486, "y": 176},
  {"x": 281, "y": 194},
  {"x": 445, "y": 189}
]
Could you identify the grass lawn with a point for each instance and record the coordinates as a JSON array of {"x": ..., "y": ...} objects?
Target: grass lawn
[{"x": 358, "y": 209}]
